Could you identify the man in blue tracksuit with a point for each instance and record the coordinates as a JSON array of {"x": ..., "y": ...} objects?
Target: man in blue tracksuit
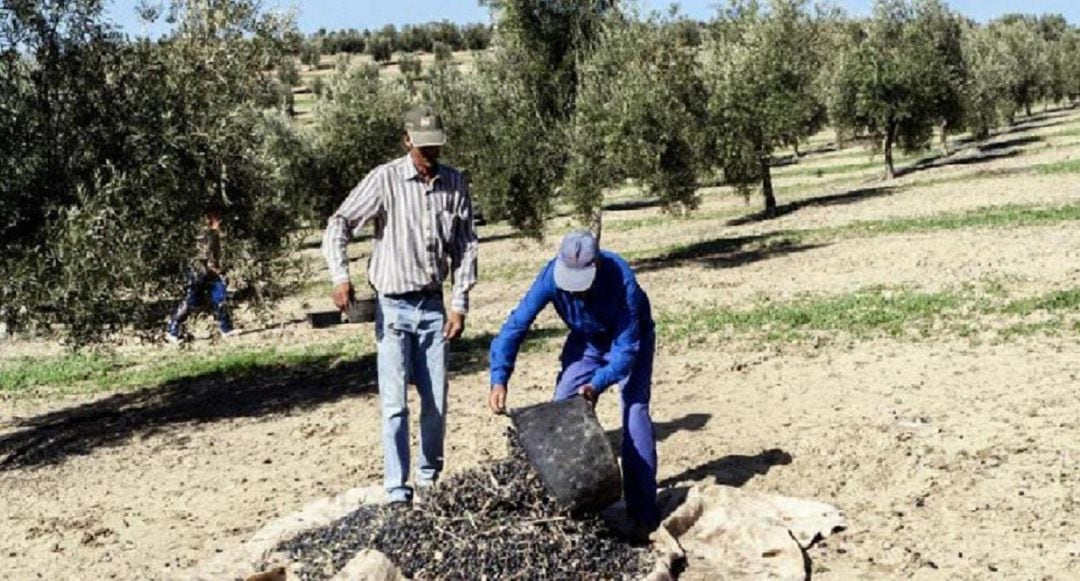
[{"x": 612, "y": 341}]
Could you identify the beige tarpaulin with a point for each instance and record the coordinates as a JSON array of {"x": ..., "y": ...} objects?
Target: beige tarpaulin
[
  {"x": 727, "y": 533},
  {"x": 720, "y": 531}
]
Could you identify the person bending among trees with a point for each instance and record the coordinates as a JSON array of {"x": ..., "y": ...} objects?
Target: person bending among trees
[
  {"x": 612, "y": 341},
  {"x": 205, "y": 283}
]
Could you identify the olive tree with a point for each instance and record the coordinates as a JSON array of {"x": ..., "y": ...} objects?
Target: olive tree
[
  {"x": 357, "y": 127},
  {"x": 639, "y": 114},
  {"x": 509, "y": 119},
  {"x": 987, "y": 98},
  {"x": 1027, "y": 48},
  {"x": 125, "y": 146},
  {"x": 761, "y": 68},
  {"x": 890, "y": 84}
]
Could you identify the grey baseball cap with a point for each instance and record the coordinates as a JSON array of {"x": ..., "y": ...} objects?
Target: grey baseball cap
[
  {"x": 425, "y": 127},
  {"x": 575, "y": 265}
]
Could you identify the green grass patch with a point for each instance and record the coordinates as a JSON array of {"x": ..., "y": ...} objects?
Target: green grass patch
[
  {"x": 885, "y": 311},
  {"x": 827, "y": 170},
  {"x": 882, "y": 312},
  {"x": 1009, "y": 216},
  {"x": 1070, "y": 132},
  {"x": 84, "y": 373},
  {"x": 1067, "y": 300},
  {"x": 1069, "y": 166},
  {"x": 989, "y": 217}
]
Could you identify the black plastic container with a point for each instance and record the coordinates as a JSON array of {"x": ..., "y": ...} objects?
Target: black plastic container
[
  {"x": 361, "y": 311},
  {"x": 565, "y": 443},
  {"x": 323, "y": 319}
]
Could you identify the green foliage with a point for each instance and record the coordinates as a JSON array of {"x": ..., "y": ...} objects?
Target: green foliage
[
  {"x": 287, "y": 72},
  {"x": 124, "y": 147},
  {"x": 357, "y": 127},
  {"x": 1028, "y": 70},
  {"x": 410, "y": 66},
  {"x": 639, "y": 113},
  {"x": 442, "y": 51},
  {"x": 380, "y": 48},
  {"x": 476, "y": 36},
  {"x": 987, "y": 93},
  {"x": 509, "y": 120},
  {"x": 411, "y": 38},
  {"x": 311, "y": 52},
  {"x": 894, "y": 84},
  {"x": 760, "y": 73}
]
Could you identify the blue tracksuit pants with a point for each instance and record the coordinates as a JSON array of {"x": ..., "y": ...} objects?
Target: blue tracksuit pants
[
  {"x": 579, "y": 361},
  {"x": 202, "y": 288}
]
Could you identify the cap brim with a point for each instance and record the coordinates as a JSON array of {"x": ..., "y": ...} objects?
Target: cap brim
[
  {"x": 427, "y": 138},
  {"x": 574, "y": 280}
]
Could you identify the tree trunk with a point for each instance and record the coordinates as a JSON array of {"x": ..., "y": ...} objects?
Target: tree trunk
[
  {"x": 796, "y": 148},
  {"x": 767, "y": 189},
  {"x": 890, "y": 169},
  {"x": 1027, "y": 109},
  {"x": 596, "y": 224},
  {"x": 945, "y": 136}
]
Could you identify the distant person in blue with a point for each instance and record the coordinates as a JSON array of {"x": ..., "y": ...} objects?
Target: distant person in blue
[{"x": 612, "y": 341}]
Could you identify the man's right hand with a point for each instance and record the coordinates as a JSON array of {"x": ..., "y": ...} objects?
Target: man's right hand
[
  {"x": 343, "y": 293},
  {"x": 497, "y": 399}
]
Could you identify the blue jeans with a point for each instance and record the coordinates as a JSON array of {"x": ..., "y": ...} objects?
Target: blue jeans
[
  {"x": 579, "y": 361},
  {"x": 409, "y": 333},
  {"x": 202, "y": 288}
]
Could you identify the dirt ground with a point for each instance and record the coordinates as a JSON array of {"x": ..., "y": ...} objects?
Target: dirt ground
[{"x": 953, "y": 457}]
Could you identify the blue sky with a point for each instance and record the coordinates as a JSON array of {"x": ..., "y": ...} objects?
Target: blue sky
[{"x": 336, "y": 14}]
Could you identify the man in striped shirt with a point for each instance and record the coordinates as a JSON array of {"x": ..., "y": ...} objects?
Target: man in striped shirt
[{"x": 423, "y": 231}]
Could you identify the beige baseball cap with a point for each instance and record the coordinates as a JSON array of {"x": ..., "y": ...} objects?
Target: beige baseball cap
[{"x": 425, "y": 127}]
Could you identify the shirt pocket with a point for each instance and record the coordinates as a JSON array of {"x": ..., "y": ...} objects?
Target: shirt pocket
[{"x": 447, "y": 222}]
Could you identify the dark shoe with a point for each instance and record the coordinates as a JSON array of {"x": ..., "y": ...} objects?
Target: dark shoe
[{"x": 639, "y": 532}]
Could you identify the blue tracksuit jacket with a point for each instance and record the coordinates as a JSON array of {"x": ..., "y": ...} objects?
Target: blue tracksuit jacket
[{"x": 612, "y": 317}]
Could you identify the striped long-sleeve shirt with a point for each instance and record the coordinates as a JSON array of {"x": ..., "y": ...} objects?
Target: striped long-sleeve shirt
[{"x": 423, "y": 232}]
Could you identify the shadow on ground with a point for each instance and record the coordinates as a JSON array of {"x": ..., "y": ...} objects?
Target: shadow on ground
[
  {"x": 972, "y": 155},
  {"x": 840, "y": 199},
  {"x": 664, "y": 430},
  {"x": 512, "y": 235},
  {"x": 725, "y": 252},
  {"x": 733, "y": 470},
  {"x": 253, "y": 392}
]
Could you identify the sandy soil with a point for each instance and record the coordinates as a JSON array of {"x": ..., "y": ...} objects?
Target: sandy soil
[{"x": 952, "y": 459}]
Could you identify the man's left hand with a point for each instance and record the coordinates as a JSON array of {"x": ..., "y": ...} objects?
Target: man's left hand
[
  {"x": 589, "y": 393},
  {"x": 455, "y": 325}
]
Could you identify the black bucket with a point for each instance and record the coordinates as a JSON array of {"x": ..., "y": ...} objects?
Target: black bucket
[
  {"x": 323, "y": 319},
  {"x": 361, "y": 311},
  {"x": 565, "y": 443}
]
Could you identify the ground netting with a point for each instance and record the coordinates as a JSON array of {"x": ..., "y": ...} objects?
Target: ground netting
[{"x": 491, "y": 522}]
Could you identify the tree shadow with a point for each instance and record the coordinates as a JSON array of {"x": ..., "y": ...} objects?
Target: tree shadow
[
  {"x": 1035, "y": 122},
  {"x": 734, "y": 470},
  {"x": 792, "y": 159},
  {"x": 726, "y": 252},
  {"x": 628, "y": 205},
  {"x": 830, "y": 200},
  {"x": 981, "y": 154},
  {"x": 251, "y": 392},
  {"x": 512, "y": 235},
  {"x": 664, "y": 430}
]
